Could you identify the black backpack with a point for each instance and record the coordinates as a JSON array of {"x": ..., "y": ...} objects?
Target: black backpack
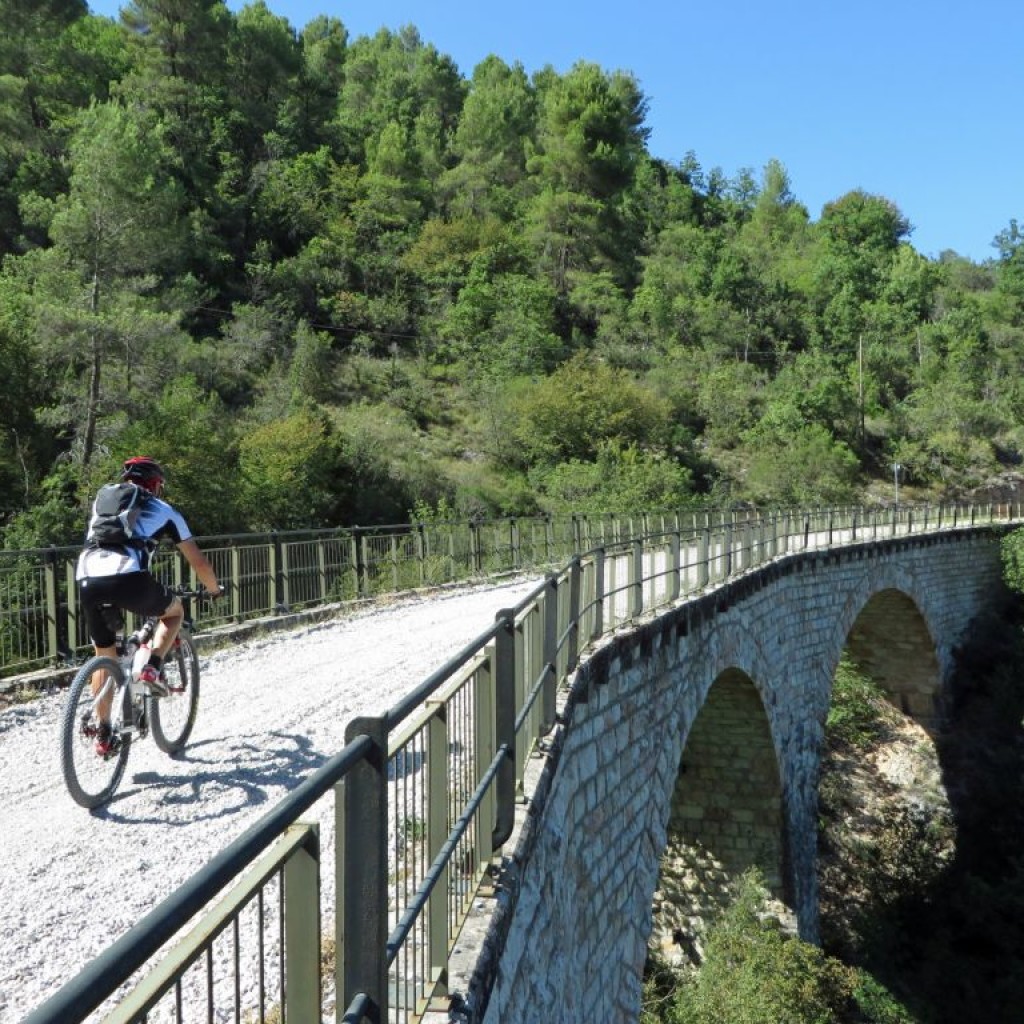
[{"x": 115, "y": 513}]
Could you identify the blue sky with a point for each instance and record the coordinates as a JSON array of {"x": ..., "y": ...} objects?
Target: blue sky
[{"x": 920, "y": 103}]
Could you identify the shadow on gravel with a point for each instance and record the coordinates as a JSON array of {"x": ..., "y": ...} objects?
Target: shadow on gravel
[{"x": 212, "y": 789}]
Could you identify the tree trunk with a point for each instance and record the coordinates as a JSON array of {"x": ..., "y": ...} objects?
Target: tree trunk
[{"x": 92, "y": 406}]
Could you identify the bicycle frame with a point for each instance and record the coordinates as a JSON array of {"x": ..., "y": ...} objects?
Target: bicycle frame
[{"x": 106, "y": 694}]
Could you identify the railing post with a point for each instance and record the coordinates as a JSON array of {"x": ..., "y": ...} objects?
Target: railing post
[
  {"x": 276, "y": 581},
  {"x": 286, "y": 575},
  {"x": 451, "y": 551},
  {"x": 421, "y": 553},
  {"x": 437, "y": 833},
  {"x": 485, "y": 747},
  {"x": 321, "y": 569},
  {"x": 521, "y": 661},
  {"x": 636, "y": 581},
  {"x": 359, "y": 541},
  {"x": 505, "y": 726},
  {"x": 703, "y": 551},
  {"x": 574, "y": 614},
  {"x": 302, "y": 929},
  {"x": 362, "y": 865},
  {"x": 514, "y": 541},
  {"x": 476, "y": 556},
  {"x": 727, "y": 549},
  {"x": 599, "y": 584},
  {"x": 550, "y": 653},
  {"x": 71, "y": 623},
  {"x": 235, "y": 592},
  {"x": 52, "y": 609},
  {"x": 675, "y": 547}
]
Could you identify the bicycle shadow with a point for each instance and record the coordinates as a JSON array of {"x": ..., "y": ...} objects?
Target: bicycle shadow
[{"x": 252, "y": 767}]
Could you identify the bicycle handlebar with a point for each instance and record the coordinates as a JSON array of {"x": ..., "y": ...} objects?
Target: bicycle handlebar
[{"x": 199, "y": 593}]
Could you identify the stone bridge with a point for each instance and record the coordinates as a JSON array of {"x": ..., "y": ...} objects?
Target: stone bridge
[{"x": 708, "y": 721}]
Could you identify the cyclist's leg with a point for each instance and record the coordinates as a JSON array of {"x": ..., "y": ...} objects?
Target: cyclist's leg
[
  {"x": 168, "y": 627},
  {"x": 96, "y": 594},
  {"x": 150, "y": 597}
]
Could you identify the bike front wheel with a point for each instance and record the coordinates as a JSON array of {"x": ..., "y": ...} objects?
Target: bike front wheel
[
  {"x": 90, "y": 776},
  {"x": 172, "y": 717}
]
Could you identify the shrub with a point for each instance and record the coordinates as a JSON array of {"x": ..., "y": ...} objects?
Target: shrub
[
  {"x": 858, "y": 709},
  {"x": 754, "y": 974}
]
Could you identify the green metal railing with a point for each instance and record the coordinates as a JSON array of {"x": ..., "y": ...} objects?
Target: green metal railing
[
  {"x": 272, "y": 573},
  {"x": 424, "y": 796}
]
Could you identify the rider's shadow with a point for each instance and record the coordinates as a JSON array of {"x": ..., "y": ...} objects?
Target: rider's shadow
[{"x": 250, "y": 770}]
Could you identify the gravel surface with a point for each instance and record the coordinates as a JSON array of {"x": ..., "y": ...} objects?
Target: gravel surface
[{"x": 272, "y": 710}]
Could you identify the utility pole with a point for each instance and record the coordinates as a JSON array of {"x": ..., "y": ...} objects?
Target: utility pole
[{"x": 860, "y": 384}]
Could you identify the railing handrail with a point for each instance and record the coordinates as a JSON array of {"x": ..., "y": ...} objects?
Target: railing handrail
[{"x": 116, "y": 965}]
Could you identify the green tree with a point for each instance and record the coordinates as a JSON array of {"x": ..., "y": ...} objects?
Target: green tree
[
  {"x": 591, "y": 135},
  {"x": 1009, "y": 243},
  {"x": 495, "y": 131},
  {"x": 116, "y": 225},
  {"x": 397, "y": 79},
  {"x": 288, "y": 471},
  {"x": 859, "y": 236},
  {"x": 503, "y": 325},
  {"x": 754, "y": 974},
  {"x": 583, "y": 403},
  {"x": 621, "y": 480},
  {"x": 187, "y": 430},
  {"x": 803, "y": 467},
  {"x": 54, "y": 59},
  {"x": 306, "y": 119}
]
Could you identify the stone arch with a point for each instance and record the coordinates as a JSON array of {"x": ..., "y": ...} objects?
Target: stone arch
[
  {"x": 726, "y": 814},
  {"x": 890, "y": 641}
]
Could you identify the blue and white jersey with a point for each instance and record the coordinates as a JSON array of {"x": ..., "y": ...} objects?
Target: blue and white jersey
[{"x": 157, "y": 520}]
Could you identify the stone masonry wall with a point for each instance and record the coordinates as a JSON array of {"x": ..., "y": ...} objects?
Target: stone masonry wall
[{"x": 572, "y": 943}]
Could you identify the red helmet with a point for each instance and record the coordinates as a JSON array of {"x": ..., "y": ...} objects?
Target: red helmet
[{"x": 144, "y": 471}]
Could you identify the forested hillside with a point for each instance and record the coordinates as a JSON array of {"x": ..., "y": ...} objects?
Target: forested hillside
[{"x": 333, "y": 280}]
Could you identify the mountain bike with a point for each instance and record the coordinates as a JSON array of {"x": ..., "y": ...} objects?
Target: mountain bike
[{"x": 92, "y": 777}]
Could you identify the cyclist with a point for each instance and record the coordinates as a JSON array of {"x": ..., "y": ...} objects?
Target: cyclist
[{"x": 118, "y": 575}]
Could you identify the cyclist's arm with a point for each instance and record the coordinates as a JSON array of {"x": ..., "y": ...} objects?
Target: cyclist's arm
[{"x": 190, "y": 549}]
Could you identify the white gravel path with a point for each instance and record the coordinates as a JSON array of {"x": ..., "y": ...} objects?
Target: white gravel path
[{"x": 272, "y": 710}]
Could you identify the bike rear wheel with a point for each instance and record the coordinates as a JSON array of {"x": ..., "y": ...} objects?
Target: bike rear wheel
[
  {"x": 172, "y": 717},
  {"x": 91, "y": 777}
]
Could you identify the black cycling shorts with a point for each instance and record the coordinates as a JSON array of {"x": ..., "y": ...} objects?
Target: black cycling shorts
[{"x": 132, "y": 591}]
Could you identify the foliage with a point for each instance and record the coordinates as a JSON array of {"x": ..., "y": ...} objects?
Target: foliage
[
  {"x": 754, "y": 974},
  {"x": 1012, "y": 550},
  {"x": 584, "y": 403},
  {"x": 620, "y": 480},
  {"x": 307, "y": 221},
  {"x": 858, "y": 711},
  {"x": 288, "y": 471},
  {"x": 925, "y": 894},
  {"x": 806, "y": 467}
]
